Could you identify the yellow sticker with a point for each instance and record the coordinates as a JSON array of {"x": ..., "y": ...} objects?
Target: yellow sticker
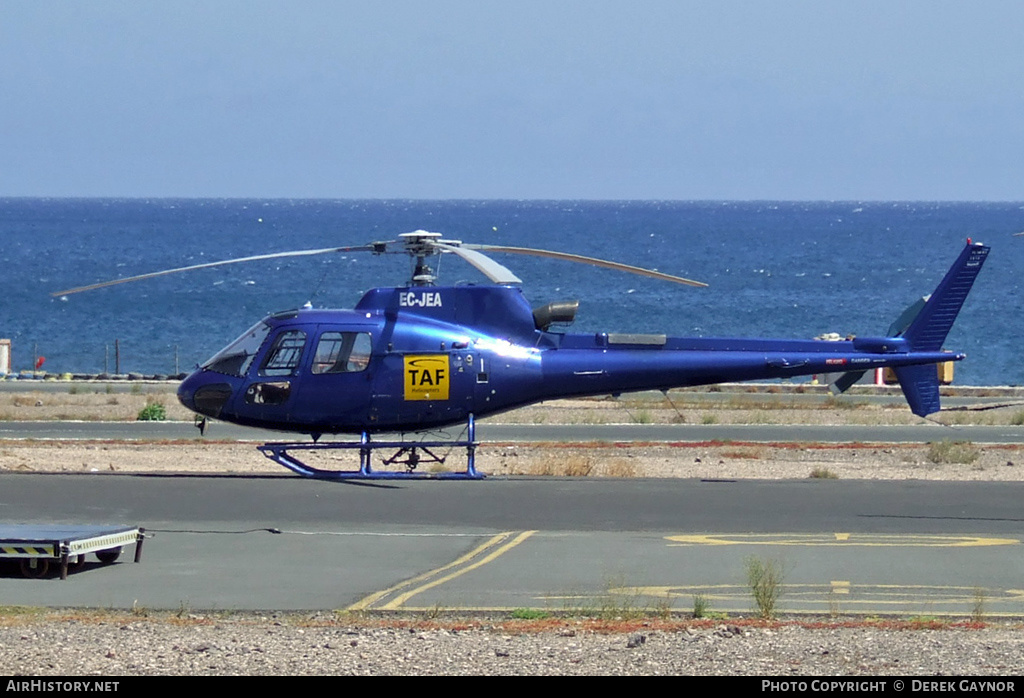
[{"x": 426, "y": 377}]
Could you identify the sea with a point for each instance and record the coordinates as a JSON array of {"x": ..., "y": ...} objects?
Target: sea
[{"x": 777, "y": 269}]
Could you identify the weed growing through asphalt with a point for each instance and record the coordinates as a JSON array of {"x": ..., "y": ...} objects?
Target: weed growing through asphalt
[
  {"x": 700, "y": 605},
  {"x": 833, "y": 604},
  {"x": 530, "y": 614},
  {"x": 618, "y": 601},
  {"x": 978, "y": 609},
  {"x": 764, "y": 578},
  {"x": 663, "y": 607}
]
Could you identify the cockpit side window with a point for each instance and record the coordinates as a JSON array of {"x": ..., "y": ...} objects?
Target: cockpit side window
[
  {"x": 285, "y": 354},
  {"x": 342, "y": 352}
]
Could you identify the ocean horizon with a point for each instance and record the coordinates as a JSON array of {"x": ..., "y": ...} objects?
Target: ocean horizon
[{"x": 774, "y": 269}]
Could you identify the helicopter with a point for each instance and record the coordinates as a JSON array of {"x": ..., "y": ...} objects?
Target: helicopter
[{"x": 421, "y": 357}]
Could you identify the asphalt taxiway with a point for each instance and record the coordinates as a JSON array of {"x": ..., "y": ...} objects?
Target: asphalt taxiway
[{"x": 285, "y": 543}]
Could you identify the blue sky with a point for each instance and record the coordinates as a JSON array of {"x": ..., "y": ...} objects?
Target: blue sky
[{"x": 553, "y": 99}]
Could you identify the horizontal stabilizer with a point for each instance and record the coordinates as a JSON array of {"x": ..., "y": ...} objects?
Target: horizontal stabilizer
[
  {"x": 845, "y": 382},
  {"x": 903, "y": 322}
]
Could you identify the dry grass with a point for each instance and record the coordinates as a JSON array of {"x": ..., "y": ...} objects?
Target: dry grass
[
  {"x": 752, "y": 453},
  {"x": 578, "y": 466},
  {"x": 90, "y": 406},
  {"x": 553, "y": 463},
  {"x": 621, "y": 467},
  {"x": 953, "y": 452}
]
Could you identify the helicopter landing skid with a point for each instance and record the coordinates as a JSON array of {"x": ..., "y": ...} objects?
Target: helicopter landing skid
[{"x": 408, "y": 454}]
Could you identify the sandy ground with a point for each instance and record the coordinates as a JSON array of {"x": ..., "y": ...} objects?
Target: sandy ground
[{"x": 943, "y": 459}]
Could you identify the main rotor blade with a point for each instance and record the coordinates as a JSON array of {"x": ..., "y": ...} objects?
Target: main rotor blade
[
  {"x": 487, "y": 266},
  {"x": 207, "y": 265},
  {"x": 586, "y": 260}
]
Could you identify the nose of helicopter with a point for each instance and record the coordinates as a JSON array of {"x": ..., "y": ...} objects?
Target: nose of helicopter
[{"x": 205, "y": 393}]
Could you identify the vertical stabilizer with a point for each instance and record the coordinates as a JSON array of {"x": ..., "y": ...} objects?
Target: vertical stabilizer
[
  {"x": 929, "y": 328},
  {"x": 920, "y": 386}
]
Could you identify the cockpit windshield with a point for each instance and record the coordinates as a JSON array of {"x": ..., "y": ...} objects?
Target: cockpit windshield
[{"x": 236, "y": 358}]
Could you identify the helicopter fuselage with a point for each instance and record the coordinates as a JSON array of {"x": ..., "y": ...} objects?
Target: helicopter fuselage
[
  {"x": 422, "y": 357},
  {"x": 418, "y": 358}
]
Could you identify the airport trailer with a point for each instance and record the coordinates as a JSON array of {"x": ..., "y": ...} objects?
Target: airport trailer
[{"x": 38, "y": 546}]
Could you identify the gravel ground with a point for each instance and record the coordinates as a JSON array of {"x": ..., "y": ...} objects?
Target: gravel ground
[
  {"x": 718, "y": 461},
  {"x": 82, "y": 644},
  {"x": 302, "y": 646}
]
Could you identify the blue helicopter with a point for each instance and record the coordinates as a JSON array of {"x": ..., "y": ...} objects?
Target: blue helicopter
[{"x": 422, "y": 356}]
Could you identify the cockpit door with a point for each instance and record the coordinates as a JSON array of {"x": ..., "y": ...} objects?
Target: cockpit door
[{"x": 271, "y": 394}]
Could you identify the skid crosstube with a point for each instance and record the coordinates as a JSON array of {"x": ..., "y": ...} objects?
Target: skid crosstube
[{"x": 279, "y": 453}]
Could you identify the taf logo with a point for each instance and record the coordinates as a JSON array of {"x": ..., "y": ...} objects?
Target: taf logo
[
  {"x": 426, "y": 377},
  {"x": 419, "y": 299}
]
